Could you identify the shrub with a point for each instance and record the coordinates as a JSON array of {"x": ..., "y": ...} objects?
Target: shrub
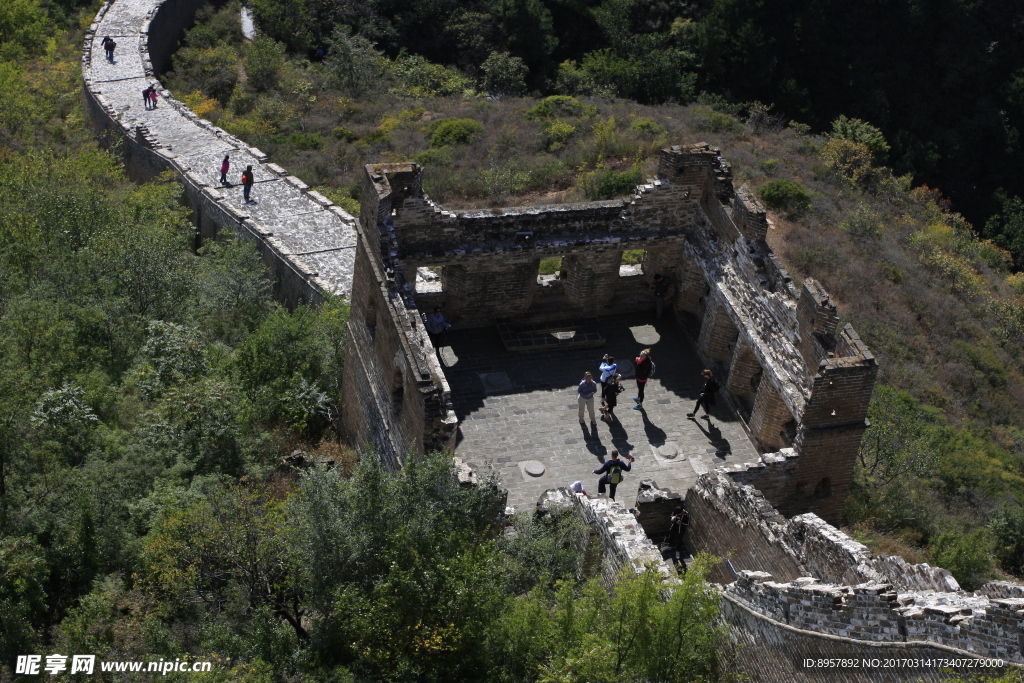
[
  {"x": 632, "y": 257},
  {"x": 850, "y": 160},
  {"x": 784, "y": 195},
  {"x": 375, "y": 137},
  {"x": 609, "y": 184},
  {"x": 344, "y": 134},
  {"x": 769, "y": 166},
  {"x": 353, "y": 63},
  {"x": 440, "y": 156},
  {"x": 966, "y": 555},
  {"x": 1007, "y": 525},
  {"x": 645, "y": 125},
  {"x": 861, "y": 132},
  {"x": 550, "y": 266},
  {"x": 452, "y": 132},
  {"x": 307, "y": 141},
  {"x": 422, "y": 78},
  {"x": 862, "y": 224},
  {"x": 714, "y": 121},
  {"x": 213, "y": 70},
  {"x": 559, "y": 105},
  {"x": 556, "y": 133},
  {"x": 572, "y": 80}
]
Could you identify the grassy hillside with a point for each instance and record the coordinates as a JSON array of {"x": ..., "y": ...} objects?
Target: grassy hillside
[
  {"x": 149, "y": 394},
  {"x": 941, "y": 474}
]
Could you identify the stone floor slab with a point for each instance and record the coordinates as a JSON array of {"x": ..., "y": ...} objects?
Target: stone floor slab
[{"x": 534, "y": 423}]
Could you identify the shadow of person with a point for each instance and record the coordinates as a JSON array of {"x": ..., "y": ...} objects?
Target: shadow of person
[
  {"x": 714, "y": 436},
  {"x": 620, "y": 438},
  {"x": 655, "y": 434},
  {"x": 590, "y": 433},
  {"x": 598, "y": 449}
]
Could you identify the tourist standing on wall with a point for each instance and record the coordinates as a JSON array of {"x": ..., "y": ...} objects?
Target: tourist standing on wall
[
  {"x": 644, "y": 370},
  {"x": 225, "y": 166},
  {"x": 247, "y": 180},
  {"x": 153, "y": 97},
  {"x": 612, "y": 471},
  {"x": 707, "y": 395},
  {"x": 145, "y": 96},
  {"x": 610, "y": 398},
  {"x": 663, "y": 291},
  {"x": 109, "y": 45},
  {"x": 586, "y": 391},
  {"x": 436, "y": 326},
  {"x": 608, "y": 367}
]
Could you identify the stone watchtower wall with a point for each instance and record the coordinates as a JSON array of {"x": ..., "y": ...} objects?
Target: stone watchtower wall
[
  {"x": 307, "y": 241},
  {"x": 801, "y": 382}
]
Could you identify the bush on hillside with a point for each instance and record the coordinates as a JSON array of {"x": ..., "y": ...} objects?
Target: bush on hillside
[
  {"x": 609, "y": 184},
  {"x": 446, "y": 132},
  {"x": 787, "y": 196}
]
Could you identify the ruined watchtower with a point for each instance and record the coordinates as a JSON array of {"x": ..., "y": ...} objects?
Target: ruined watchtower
[{"x": 801, "y": 383}]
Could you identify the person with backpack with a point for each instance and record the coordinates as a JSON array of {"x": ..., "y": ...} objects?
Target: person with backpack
[
  {"x": 247, "y": 181},
  {"x": 707, "y": 395},
  {"x": 610, "y": 398},
  {"x": 644, "y": 370},
  {"x": 612, "y": 473}
]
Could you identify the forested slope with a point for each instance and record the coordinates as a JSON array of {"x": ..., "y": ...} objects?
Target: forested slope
[
  {"x": 149, "y": 392},
  {"x": 942, "y": 468}
]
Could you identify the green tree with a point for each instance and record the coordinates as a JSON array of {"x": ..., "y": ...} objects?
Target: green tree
[
  {"x": 861, "y": 132},
  {"x": 355, "y": 65},
  {"x": 263, "y": 60},
  {"x": 504, "y": 75},
  {"x": 526, "y": 28},
  {"x": 1006, "y": 229}
]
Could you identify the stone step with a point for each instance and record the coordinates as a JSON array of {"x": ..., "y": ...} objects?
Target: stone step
[{"x": 550, "y": 335}]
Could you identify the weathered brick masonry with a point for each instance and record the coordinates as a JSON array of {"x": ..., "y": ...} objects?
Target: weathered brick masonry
[{"x": 801, "y": 383}]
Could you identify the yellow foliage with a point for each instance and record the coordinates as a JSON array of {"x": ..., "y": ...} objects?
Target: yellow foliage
[
  {"x": 1016, "y": 282},
  {"x": 850, "y": 160}
]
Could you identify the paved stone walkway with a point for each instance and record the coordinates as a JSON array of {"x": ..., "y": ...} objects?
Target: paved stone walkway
[
  {"x": 529, "y": 413},
  {"x": 307, "y": 228}
]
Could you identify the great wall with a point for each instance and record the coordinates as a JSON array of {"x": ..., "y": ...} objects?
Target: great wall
[{"x": 794, "y": 586}]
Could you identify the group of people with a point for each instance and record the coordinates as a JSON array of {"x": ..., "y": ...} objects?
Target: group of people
[
  {"x": 149, "y": 97},
  {"x": 610, "y": 387},
  {"x": 248, "y": 178},
  {"x": 108, "y": 46}
]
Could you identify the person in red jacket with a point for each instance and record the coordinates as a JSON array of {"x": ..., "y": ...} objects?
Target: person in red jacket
[{"x": 644, "y": 368}]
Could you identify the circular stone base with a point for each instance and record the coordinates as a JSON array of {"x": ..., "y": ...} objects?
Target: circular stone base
[
  {"x": 534, "y": 468},
  {"x": 668, "y": 451}
]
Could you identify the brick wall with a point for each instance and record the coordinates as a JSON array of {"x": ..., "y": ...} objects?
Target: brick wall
[{"x": 737, "y": 524}]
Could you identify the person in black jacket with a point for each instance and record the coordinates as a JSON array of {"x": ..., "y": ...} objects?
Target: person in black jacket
[
  {"x": 707, "y": 395},
  {"x": 612, "y": 471},
  {"x": 644, "y": 368}
]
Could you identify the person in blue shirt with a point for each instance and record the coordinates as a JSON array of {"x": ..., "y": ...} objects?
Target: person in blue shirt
[
  {"x": 608, "y": 368},
  {"x": 586, "y": 390},
  {"x": 612, "y": 471}
]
